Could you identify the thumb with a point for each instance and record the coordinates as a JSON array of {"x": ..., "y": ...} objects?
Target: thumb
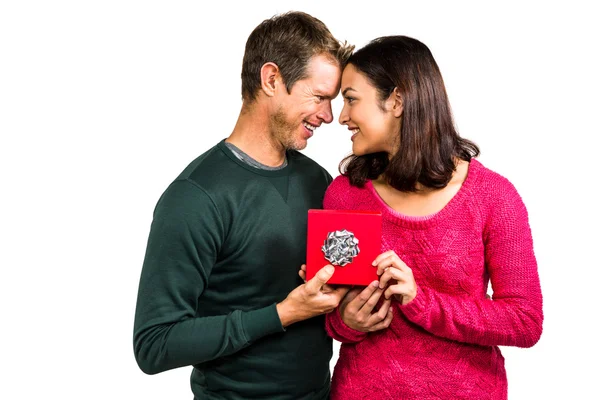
[{"x": 320, "y": 279}]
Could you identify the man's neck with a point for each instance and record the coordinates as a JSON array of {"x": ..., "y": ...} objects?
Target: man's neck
[{"x": 251, "y": 134}]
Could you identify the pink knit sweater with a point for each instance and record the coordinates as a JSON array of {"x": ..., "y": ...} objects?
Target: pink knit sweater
[{"x": 444, "y": 343}]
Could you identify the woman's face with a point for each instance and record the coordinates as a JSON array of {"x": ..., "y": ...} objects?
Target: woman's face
[{"x": 373, "y": 129}]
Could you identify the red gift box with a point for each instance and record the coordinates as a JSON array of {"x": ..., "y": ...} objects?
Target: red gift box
[{"x": 364, "y": 225}]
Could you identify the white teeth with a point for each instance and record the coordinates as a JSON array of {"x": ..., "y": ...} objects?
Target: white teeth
[
  {"x": 355, "y": 131},
  {"x": 309, "y": 126}
]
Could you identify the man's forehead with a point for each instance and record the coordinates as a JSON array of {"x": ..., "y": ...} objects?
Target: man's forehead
[
  {"x": 321, "y": 64},
  {"x": 325, "y": 75}
]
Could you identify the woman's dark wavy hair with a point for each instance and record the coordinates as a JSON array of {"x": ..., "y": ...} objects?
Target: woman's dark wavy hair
[{"x": 428, "y": 142}]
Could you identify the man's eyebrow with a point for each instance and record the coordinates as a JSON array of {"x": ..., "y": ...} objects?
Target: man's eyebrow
[
  {"x": 323, "y": 94},
  {"x": 347, "y": 90}
]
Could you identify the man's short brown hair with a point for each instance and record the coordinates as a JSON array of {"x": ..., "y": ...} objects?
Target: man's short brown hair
[{"x": 288, "y": 40}]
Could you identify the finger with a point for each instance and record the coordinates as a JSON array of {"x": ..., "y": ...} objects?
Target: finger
[
  {"x": 302, "y": 275},
  {"x": 302, "y": 272},
  {"x": 390, "y": 273},
  {"x": 382, "y": 256},
  {"x": 383, "y": 324},
  {"x": 381, "y": 314},
  {"x": 398, "y": 289},
  {"x": 384, "y": 309},
  {"x": 371, "y": 302},
  {"x": 383, "y": 264},
  {"x": 392, "y": 261},
  {"x": 365, "y": 295},
  {"x": 321, "y": 277}
]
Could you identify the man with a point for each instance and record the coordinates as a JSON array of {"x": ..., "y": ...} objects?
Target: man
[{"x": 220, "y": 288}]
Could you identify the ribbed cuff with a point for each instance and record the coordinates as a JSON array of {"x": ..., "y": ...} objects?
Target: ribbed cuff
[
  {"x": 415, "y": 309},
  {"x": 261, "y": 322},
  {"x": 341, "y": 332}
]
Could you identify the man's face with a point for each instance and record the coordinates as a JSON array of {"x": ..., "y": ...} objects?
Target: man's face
[{"x": 307, "y": 106}]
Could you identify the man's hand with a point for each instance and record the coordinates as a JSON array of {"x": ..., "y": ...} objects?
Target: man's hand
[
  {"x": 311, "y": 299},
  {"x": 357, "y": 308},
  {"x": 302, "y": 272}
]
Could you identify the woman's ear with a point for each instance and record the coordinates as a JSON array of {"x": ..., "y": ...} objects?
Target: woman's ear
[
  {"x": 269, "y": 74},
  {"x": 397, "y": 103}
]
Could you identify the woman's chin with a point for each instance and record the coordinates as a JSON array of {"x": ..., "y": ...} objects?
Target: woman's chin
[{"x": 358, "y": 151}]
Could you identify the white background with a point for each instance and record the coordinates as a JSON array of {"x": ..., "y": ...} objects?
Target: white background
[{"x": 103, "y": 103}]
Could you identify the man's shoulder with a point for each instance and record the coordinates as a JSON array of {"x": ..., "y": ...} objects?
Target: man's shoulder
[
  {"x": 216, "y": 170},
  {"x": 205, "y": 164},
  {"x": 302, "y": 158},
  {"x": 307, "y": 164},
  {"x": 194, "y": 187}
]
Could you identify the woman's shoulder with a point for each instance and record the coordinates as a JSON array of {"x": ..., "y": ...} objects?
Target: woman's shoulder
[
  {"x": 489, "y": 180},
  {"x": 493, "y": 190},
  {"x": 340, "y": 182},
  {"x": 342, "y": 194},
  {"x": 341, "y": 185}
]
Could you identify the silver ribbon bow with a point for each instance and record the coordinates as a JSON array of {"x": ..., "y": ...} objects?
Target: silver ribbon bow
[{"x": 340, "y": 247}]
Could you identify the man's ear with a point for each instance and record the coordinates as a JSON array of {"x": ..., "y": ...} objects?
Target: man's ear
[
  {"x": 269, "y": 76},
  {"x": 397, "y": 103}
]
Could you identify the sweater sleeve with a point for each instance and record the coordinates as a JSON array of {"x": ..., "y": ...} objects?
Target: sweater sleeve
[
  {"x": 514, "y": 316},
  {"x": 185, "y": 237}
]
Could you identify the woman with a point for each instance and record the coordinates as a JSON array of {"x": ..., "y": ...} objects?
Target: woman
[{"x": 450, "y": 227}]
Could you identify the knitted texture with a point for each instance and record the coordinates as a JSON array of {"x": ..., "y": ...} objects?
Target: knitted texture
[{"x": 444, "y": 343}]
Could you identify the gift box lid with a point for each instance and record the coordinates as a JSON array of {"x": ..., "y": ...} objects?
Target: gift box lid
[{"x": 347, "y": 239}]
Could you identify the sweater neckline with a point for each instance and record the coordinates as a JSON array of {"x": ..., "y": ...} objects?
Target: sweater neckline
[
  {"x": 432, "y": 219},
  {"x": 264, "y": 172}
]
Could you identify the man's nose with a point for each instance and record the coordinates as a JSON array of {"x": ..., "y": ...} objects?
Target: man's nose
[{"x": 326, "y": 115}]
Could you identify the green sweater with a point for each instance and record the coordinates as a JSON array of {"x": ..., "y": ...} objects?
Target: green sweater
[{"x": 226, "y": 243}]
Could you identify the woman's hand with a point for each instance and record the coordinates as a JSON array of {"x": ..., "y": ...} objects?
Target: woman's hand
[
  {"x": 393, "y": 271},
  {"x": 358, "y": 309}
]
